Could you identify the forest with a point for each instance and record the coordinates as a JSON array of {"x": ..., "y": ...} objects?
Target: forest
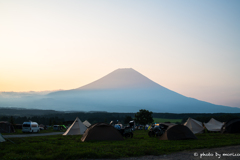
[{"x": 51, "y": 117}]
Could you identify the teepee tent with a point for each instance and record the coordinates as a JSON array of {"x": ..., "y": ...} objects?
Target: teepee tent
[
  {"x": 194, "y": 125},
  {"x": 1, "y": 138},
  {"x": 213, "y": 125},
  {"x": 77, "y": 128},
  {"x": 86, "y": 123}
]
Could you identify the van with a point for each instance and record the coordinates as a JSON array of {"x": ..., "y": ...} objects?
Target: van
[{"x": 30, "y": 127}]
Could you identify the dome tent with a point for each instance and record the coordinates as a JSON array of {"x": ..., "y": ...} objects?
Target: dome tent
[
  {"x": 177, "y": 132},
  {"x": 102, "y": 132},
  {"x": 231, "y": 126}
]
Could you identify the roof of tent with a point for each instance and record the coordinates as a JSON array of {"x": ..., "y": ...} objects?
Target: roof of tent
[
  {"x": 177, "y": 132},
  {"x": 213, "y": 125},
  {"x": 102, "y": 132},
  {"x": 194, "y": 125},
  {"x": 77, "y": 128},
  {"x": 86, "y": 123},
  {"x": 231, "y": 126}
]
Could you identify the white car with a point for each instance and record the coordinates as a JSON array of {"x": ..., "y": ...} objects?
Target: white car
[{"x": 30, "y": 127}]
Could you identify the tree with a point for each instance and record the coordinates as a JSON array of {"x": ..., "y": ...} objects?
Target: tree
[
  {"x": 127, "y": 119},
  {"x": 143, "y": 117}
]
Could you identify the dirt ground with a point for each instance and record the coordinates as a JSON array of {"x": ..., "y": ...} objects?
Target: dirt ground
[{"x": 222, "y": 153}]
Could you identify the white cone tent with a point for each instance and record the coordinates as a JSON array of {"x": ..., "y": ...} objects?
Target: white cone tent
[
  {"x": 213, "y": 125},
  {"x": 86, "y": 123},
  {"x": 1, "y": 138},
  {"x": 77, "y": 128},
  {"x": 194, "y": 125}
]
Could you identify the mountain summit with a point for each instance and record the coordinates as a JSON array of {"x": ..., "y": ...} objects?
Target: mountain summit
[{"x": 126, "y": 78}]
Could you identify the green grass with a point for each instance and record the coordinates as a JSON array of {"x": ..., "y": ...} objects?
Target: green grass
[
  {"x": 159, "y": 120},
  {"x": 71, "y": 147},
  {"x": 19, "y": 131}
]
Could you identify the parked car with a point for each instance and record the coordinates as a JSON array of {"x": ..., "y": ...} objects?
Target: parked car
[
  {"x": 30, "y": 127},
  {"x": 41, "y": 128},
  {"x": 56, "y": 127},
  {"x": 59, "y": 127}
]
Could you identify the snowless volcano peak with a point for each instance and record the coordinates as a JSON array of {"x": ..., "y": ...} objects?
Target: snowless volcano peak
[
  {"x": 123, "y": 78},
  {"x": 126, "y": 90}
]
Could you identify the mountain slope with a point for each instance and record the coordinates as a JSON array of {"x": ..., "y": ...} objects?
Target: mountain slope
[
  {"x": 126, "y": 78},
  {"x": 126, "y": 90}
]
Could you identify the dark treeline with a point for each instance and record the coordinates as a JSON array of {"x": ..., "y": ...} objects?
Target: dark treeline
[
  {"x": 192, "y": 115},
  {"x": 93, "y": 117},
  {"x": 40, "y": 119},
  {"x": 4, "y": 111},
  {"x": 66, "y": 118}
]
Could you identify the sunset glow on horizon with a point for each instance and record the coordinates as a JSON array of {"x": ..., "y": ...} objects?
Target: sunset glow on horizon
[{"x": 190, "y": 47}]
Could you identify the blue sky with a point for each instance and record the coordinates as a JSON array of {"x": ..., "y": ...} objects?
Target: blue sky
[{"x": 191, "y": 47}]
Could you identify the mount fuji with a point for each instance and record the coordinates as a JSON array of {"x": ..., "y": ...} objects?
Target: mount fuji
[{"x": 126, "y": 90}]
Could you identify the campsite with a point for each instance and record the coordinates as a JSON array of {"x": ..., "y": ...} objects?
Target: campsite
[
  {"x": 101, "y": 140},
  {"x": 71, "y": 147},
  {"x": 83, "y": 139}
]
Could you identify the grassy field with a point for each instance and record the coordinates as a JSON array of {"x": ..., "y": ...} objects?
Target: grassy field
[
  {"x": 19, "y": 131},
  {"x": 158, "y": 120},
  {"x": 71, "y": 147}
]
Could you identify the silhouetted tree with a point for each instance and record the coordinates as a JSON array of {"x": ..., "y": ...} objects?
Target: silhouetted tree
[
  {"x": 127, "y": 119},
  {"x": 143, "y": 117}
]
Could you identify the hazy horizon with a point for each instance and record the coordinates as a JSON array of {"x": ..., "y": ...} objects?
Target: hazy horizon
[{"x": 190, "y": 47}]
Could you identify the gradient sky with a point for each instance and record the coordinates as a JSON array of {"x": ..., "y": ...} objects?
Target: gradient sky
[{"x": 190, "y": 47}]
